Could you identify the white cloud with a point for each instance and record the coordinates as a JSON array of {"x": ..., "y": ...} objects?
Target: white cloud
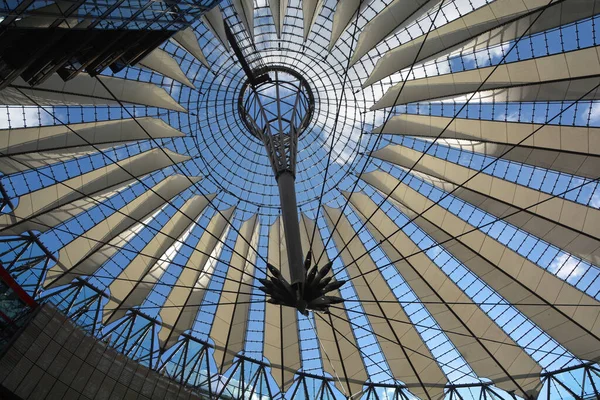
[
  {"x": 439, "y": 67},
  {"x": 513, "y": 116},
  {"x": 592, "y": 112},
  {"x": 174, "y": 88},
  {"x": 346, "y": 137},
  {"x": 389, "y": 394},
  {"x": 595, "y": 202},
  {"x": 19, "y": 117},
  {"x": 567, "y": 267},
  {"x": 483, "y": 57},
  {"x": 434, "y": 252}
]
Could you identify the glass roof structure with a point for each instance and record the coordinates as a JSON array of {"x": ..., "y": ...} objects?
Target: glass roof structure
[{"x": 448, "y": 170}]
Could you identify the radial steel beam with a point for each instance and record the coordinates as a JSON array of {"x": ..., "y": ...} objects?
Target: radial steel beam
[{"x": 276, "y": 111}]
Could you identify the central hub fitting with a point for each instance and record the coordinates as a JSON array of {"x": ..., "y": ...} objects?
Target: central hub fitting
[
  {"x": 276, "y": 105},
  {"x": 316, "y": 293},
  {"x": 281, "y": 103}
]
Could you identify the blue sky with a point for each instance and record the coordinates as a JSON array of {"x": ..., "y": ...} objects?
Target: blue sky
[{"x": 235, "y": 161}]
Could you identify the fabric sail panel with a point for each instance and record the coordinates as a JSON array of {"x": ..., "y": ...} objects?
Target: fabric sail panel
[
  {"x": 245, "y": 12},
  {"x": 488, "y": 350},
  {"x": 385, "y": 23},
  {"x": 570, "y": 149},
  {"x": 184, "y": 300},
  {"x": 310, "y": 12},
  {"x": 281, "y": 341},
  {"x": 573, "y": 242},
  {"x": 344, "y": 12},
  {"x": 406, "y": 353},
  {"x": 214, "y": 20},
  {"x": 229, "y": 326},
  {"x": 49, "y": 206},
  {"x": 547, "y": 301},
  {"x": 28, "y": 148},
  {"x": 576, "y": 216},
  {"x": 187, "y": 39},
  {"x": 557, "y": 77},
  {"x": 137, "y": 279},
  {"x": 86, "y": 90},
  {"x": 160, "y": 61},
  {"x": 492, "y": 24},
  {"x": 278, "y": 11},
  {"x": 342, "y": 357},
  {"x": 99, "y": 240}
]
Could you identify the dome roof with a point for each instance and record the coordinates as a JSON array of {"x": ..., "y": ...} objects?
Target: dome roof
[{"x": 448, "y": 169}]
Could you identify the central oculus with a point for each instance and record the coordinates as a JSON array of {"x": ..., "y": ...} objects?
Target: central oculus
[
  {"x": 276, "y": 105},
  {"x": 282, "y": 103}
]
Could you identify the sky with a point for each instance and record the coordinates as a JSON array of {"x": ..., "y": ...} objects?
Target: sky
[{"x": 224, "y": 156}]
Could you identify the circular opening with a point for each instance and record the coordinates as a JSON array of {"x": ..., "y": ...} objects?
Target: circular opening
[{"x": 282, "y": 103}]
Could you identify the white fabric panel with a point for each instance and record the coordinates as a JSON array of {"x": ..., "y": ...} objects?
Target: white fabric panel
[
  {"x": 573, "y": 242},
  {"x": 488, "y": 350},
  {"x": 86, "y": 90},
  {"x": 184, "y": 301},
  {"x": 310, "y": 12},
  {"x": 214, "y": 20},
  {"x": 54, "y": 204},
  {"x": 560, "y": 13},
  {"x": 162, "y": 62},
  {"x": 73, "y": 259},
  {"x": 517, "y": 81},
  {"x": 277, "y": 254},
  {"x": 569, "y": 149},
  {"x": 187, "y": 39},
  {"x": 281, "y": 346},
  {"x": 578, "y": 89},
  {"x": 229, "y": 327},
  {"x": 345, "y": 11},
  {"x": 575, "y": 216},
  {"x": 408, "y": 357},
  {"x": 550, "y": 302},
  {"x": 387, "y": 22},
  {"x": 27, "y": 161},
  {"x": 278, "y": 11},
  {"x": 563, "y": 138},
  {"x": 319, "y": 255},
  {"x": 245, "y": 12},
  {"x": 341, "y": 356},
  {"x": 40, "y": 146},
  {"x": 512, "y": 16},
  {"x": 572, "y": 164},
  {"x": 567, "y": 90},
  {"x": 138, "y": 278}
]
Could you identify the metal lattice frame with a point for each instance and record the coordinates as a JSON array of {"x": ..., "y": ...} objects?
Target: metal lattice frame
[{"x": 456, "y": 153}]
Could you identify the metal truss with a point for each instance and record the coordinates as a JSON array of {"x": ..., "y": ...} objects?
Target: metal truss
[
  {"x": 246, "y": 378},
  {"x": 579, "y": 383},
  {"x": 314, "y": 387},
  {"x": 24, "y": 254},
  {"x": 189, "y": 361}
]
